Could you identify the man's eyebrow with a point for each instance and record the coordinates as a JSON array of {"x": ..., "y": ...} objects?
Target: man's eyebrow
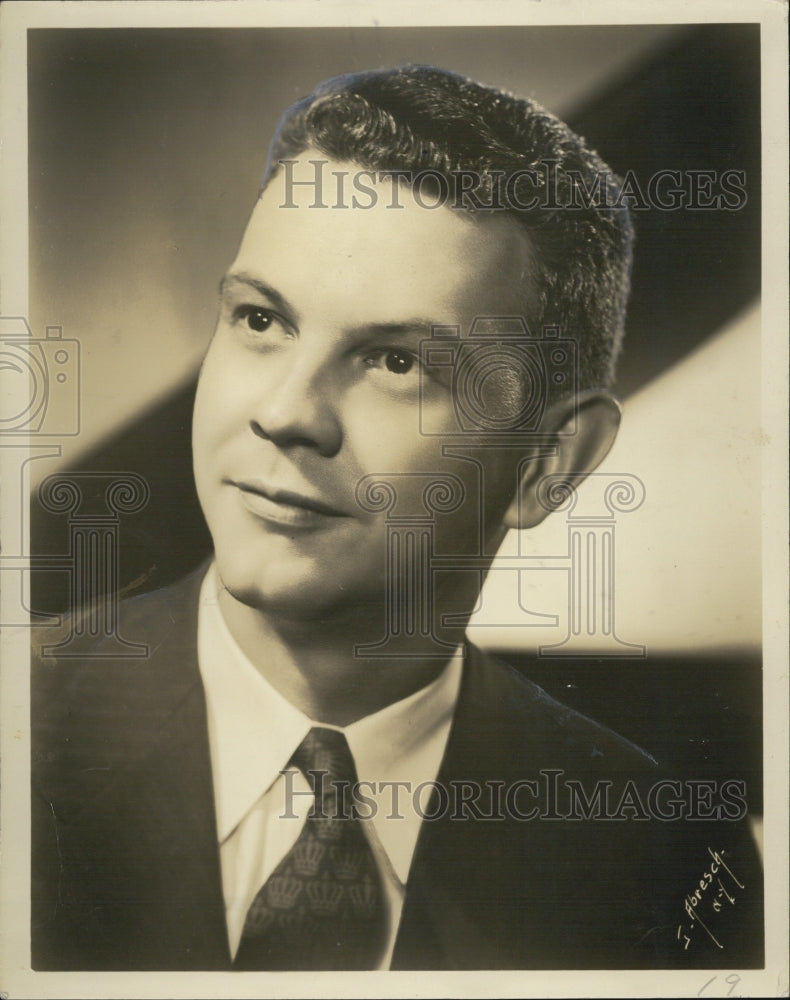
[
  {"x": 277, "y": 300},
  {"x": 416, "y": 325},
  {"x": 413, "y": 325}
]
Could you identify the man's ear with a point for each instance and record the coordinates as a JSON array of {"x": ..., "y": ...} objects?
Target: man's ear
[{"x": 597, "y": 415}]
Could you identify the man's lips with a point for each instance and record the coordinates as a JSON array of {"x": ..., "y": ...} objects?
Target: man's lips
[{"x": 285, "y": 506}]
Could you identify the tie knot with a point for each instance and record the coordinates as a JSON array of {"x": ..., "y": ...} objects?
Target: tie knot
[{"x": 325, "y": 750}]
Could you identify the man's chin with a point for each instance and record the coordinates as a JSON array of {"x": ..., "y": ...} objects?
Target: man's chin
[{"x": 305, "y": 601}]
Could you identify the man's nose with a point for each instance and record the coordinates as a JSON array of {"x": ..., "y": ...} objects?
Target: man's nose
[{"x": 296, "y": 407}]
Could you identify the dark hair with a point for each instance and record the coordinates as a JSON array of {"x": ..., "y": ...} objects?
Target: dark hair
[{"x": 419, "y": 118}]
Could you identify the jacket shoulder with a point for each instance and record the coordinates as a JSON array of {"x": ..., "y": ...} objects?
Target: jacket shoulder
[
  {"x": 502, "y": 704},
  {"x": 96, "y": 706},
  {"x": 125, "y": 629}
]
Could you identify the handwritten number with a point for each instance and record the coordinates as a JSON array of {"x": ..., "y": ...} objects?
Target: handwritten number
[{"x": 732, "y": 980}]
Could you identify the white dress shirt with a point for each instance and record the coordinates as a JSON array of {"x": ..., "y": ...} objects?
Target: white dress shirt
[{"x": 253, "y": 732}]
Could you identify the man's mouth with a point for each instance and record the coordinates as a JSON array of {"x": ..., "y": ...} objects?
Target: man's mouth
[{"x": 285, "y": 507}]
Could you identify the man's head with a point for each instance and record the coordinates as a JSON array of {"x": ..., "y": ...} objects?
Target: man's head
[
  {"x": 492, "y": 149},
  {"x": 314, "y": 385}
]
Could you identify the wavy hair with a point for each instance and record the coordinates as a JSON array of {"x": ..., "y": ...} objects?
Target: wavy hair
[{"x": 418, "y": 118}]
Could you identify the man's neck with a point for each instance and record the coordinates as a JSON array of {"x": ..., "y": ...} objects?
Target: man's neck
[{"x": 314, "y": 666}]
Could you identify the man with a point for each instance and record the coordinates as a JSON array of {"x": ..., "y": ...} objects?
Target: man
[{"x": 412, "y": 354}]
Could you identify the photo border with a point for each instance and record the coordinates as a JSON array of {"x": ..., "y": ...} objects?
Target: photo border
[{"x": 16, "y": 979}]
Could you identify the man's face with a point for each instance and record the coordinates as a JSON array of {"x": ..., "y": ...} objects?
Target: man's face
[{"x": 312, "y": 382}]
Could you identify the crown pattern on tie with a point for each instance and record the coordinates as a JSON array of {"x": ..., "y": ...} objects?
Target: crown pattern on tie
[{"x": 323, "y": 906}]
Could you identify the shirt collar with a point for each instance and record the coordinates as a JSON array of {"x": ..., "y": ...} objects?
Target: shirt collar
[
  {"x": 254, "y": 731},
  {"x": 405, "y": 742}
]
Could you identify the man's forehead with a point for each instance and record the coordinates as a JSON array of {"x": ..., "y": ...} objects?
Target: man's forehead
[
  {"x": 340, "y": 190},
  {"x": 401, "y": 248}
]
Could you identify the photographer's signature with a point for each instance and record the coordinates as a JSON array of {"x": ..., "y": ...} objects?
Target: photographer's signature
[{"x": 717, "y": 888}]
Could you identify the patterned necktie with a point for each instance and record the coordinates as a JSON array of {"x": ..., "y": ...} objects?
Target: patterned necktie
[{"x": 323, "y": 906}]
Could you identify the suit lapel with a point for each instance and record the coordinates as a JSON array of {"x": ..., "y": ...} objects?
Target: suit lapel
[
  {"x": 166, "y": 804},
  {"x": 147, "y": 843},
  {"x": 461, "y": 906},
  {"x": 519, "y": 892}
]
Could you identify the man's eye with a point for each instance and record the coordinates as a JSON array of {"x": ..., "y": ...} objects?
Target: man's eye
[
  {"x": 398, "y": 362},
  {"x": 257, "y": 318}
]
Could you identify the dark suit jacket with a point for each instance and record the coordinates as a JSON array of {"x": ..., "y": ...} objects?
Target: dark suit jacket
[{"x": 126, "y": 868}]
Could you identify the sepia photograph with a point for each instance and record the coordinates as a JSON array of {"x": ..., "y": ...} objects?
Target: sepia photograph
[{"x": 394, "y": 527}]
